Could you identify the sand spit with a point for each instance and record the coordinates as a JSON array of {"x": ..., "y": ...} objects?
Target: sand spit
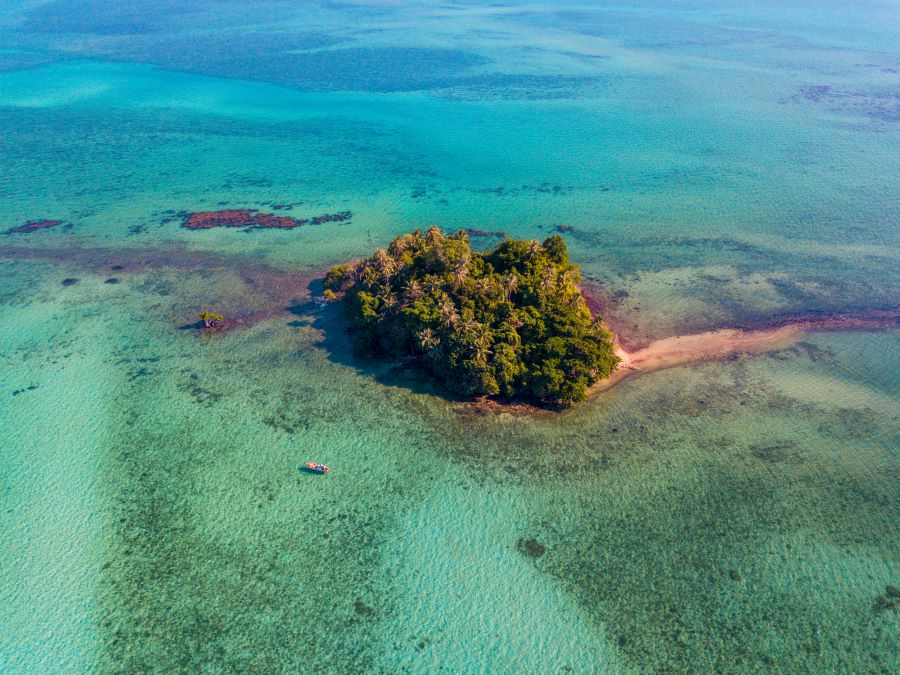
[
  {"x": 732, "y": 343},
  {"x": 728, "y": 343}
]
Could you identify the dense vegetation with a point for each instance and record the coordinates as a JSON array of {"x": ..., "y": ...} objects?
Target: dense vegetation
[{"x": 510, "y": 321}]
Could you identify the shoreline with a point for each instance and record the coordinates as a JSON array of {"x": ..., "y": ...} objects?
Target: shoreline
[
  {"x": 725, "y": 343},
  {"x": 282, "y": 291},
  {"x": 731, "y": 343},
  {"x": 714, "y": 345}
]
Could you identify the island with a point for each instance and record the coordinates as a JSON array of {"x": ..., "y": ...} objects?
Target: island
[{"x": 508, "y": 322}]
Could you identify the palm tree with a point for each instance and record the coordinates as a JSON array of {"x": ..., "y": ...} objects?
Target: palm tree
[
  {"x": 467, "y": 327},
  {"x": 428, "y": 339},
  {"x": 384, "y": 263},
  {"x": 484, "y": 286},
  {"x": 483, "y": 332},
  {"x": 387, "y": 298},
  {"x": 569, "y": 277},
  {"x": 357, "y": 269},
  {"x": 398, "y": 246},
  {"x": 483, "y": 339},
  {"x": 481, "y": 353},
  {"x": 461, "y": 270},
  {"x": 566, "y": 283},
  {"x": 533, "y": 248},
  {"x": 432, "y": 283},
  {"x": 368, "y": 275},
  {"x": 433, "y": 235},
  {"x": 413, "y": 290},
  {"x": 548, "y": 282},
  {"x": 512, "y": 284},
  {"x": 448, "y": 312}
]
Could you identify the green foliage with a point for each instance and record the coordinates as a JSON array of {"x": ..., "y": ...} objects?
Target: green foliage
[
  {"x": 212, "y": 320},
  {"x": 510, "y": 321}
]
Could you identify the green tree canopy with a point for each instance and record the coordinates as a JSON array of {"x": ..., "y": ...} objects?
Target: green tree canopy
[{"x": 510, "y": 321}]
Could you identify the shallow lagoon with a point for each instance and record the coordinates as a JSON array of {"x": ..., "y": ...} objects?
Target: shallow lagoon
[{"x": 725, "y": 516}]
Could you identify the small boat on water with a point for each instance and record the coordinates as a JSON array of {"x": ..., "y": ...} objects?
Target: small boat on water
[{"x": 318, "y": 468}]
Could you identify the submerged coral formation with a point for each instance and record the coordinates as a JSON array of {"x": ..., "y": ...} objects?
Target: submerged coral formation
[
  {"x": 474, "y": 232},
  {"x": 510, "y": 321},
  {"x": 33, "y": 226},
  {"x": 251, "y": 219}
]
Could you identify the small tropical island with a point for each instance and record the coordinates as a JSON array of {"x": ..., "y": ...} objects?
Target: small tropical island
[{"x": 509, "y": 322}]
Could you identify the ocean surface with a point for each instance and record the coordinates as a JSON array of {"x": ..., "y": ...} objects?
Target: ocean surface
[{"x": 715, "y": 164}]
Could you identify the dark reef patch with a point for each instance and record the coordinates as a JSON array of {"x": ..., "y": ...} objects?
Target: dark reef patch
[
  {"x": 880, "y": 105},
  {"x": 815, "y": 92},
  {"x": 472, "y": 232},
  {"x": 251, "y": 219},
  {"x": 889, "y": 600},
  {"x": 69, "y": 281},
  {"x": 515, "y": 190},
  {"x": 206, "y": 220},
  {"x": 202, "y": 396},
  {"x": 34, "y": 226},
  {"x": 785, "y": 451},
  {"x": 331, "y": 218},
  {"x": 531, "y": 547}
]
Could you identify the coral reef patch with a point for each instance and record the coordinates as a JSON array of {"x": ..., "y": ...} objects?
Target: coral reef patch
[
  {"x": 33, "y": 226},
  {"x": 472, "y": 232},
  {"x": 251, "y": 219},
  {"x": 889, "y": 600},
  {"x": 531, "y": 547}
]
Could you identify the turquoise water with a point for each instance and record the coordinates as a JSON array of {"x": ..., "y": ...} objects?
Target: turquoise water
[{"x": 721, "y": 165}]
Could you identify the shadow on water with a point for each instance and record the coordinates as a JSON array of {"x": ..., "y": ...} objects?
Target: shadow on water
[
  {"x": 310, "y": 472},
  {"x": 337, "y": 343}
]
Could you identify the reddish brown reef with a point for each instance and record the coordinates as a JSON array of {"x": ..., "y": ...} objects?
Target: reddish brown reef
[
  {"x": 251, "y": 219},
  {"x": 472, "y": 232},
  {"x": 33, "y": 226}
]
